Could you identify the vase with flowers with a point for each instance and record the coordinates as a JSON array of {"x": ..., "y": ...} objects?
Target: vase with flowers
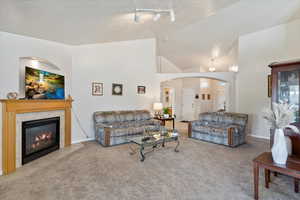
[{"x": 280, "y": 117}]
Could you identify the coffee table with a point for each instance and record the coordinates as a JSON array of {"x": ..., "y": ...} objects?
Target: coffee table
[{"x": 154, "y": 141}]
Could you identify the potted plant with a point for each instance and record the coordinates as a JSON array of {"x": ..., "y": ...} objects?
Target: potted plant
[
  {"x": 166, "y": 112},
  {"x": 280, "y": 117}
]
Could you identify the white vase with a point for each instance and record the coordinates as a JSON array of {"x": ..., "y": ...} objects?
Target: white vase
[
  {"x": 288, "y": 144},
  {"x": 279, "y": 148}
]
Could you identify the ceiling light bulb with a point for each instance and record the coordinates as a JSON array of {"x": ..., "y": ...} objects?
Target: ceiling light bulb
[
  {"x": 234, "y": 68},
  {"x": 172, "y": 15},
  {"x": 156, "y": 17},
  {"x": 212, "y": 69}
]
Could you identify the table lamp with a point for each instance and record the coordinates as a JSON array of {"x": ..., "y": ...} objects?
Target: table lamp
[{"x": 157, "y": 107}]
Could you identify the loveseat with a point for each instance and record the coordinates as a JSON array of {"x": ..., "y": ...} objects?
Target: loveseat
[
  {"x": 116, "y": 127},
  {"x": 221, "y": 128}
]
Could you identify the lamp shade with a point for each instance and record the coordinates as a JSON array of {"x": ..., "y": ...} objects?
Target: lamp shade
[{"x": 157, "y": 106}]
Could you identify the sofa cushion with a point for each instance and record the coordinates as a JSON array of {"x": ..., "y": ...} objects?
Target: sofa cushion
[
  {"x": 126, "y": 116},
  {"x": 142, "y": 115},
  {"x": 121, "y": 132},
  {"x": 210, "y": 117},
  {"x": 105, "y": 117}
]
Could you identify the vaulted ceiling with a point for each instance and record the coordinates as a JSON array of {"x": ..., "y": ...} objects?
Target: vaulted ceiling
[{"x": 201, "y": 27}]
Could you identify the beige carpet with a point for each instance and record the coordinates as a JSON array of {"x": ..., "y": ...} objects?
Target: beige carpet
[{"x": 199, "y": 171}]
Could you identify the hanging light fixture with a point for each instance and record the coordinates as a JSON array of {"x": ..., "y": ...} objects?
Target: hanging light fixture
[
  {"x": 212, "y": 67},
  {"x": 172, "y": 15},
  {"x": 136, "y": 18}
]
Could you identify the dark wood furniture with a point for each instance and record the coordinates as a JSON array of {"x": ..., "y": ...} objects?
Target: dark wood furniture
[
  {"x": 285, "y": 87},
  {"x": 163, "y": 120},
  {"x": 265, "y": 161}
]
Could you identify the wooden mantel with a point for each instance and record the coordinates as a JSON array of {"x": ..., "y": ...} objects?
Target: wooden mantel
[{"x": 10, "y": 108}]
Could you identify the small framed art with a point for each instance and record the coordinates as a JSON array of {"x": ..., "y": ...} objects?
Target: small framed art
[
  {"x": 97, "y": 89},
  {"x": 208, "y": 96},
  {"x": 141, "y": 89},
  {"x": 117, "y": 89}
]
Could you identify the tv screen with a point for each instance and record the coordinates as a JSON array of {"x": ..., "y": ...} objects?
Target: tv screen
[{"x": 43, "y": 85}]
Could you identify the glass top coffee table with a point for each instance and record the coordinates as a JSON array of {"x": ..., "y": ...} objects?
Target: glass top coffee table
[{"x": 153, "y": 140}]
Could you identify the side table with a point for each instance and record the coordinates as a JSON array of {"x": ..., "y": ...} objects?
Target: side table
[
  {"x": 265, "y": 160},
  {"x": 163, "y": 120}
]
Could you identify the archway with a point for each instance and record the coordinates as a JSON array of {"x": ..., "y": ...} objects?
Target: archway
[{"x": 227, "y": 77}]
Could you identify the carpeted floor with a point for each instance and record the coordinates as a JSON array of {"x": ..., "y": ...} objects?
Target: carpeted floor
[{"x": 199, "y": 171}]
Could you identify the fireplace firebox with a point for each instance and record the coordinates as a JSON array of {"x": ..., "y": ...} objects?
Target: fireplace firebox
[{"x": 39, "y": 137}]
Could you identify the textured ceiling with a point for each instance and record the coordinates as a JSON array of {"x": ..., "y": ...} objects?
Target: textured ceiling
[
  {"x": 196, "y": 44},
  {"x": 94, "y": 21},
  {"x": 201, "y": 25}
]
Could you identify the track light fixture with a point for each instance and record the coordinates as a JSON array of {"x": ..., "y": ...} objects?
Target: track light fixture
[{"x": 157, "y": 13}]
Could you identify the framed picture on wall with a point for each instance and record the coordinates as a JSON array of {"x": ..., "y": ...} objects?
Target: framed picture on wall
[
  {"x": 141, "y": 89},
  {"x": 269, "y": 86},
  {"x": 117, "y": 89},
  {"x": 97, "y": 89},
  {"x": 208, "y": 96}
]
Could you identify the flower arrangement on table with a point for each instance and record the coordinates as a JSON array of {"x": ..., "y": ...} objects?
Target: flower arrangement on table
[{"x": 280, "y": 117}]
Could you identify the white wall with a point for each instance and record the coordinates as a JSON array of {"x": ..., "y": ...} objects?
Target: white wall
[
  {"x": 256, "y": 52},
  {"x": 130, "y": 63},
  {"x": 165, "y": 66},
  {"x": 13, "y": 47}
]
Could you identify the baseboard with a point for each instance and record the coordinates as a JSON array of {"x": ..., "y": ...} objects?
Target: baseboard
[
  {"x": 83, "y": 140},
  {"x": 260, "y": 137}
]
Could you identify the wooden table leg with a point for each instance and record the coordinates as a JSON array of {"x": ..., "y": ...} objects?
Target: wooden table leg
[
  {"x": 173, "y": 124},
  {"x": 256, "y": 179},
  {"x": 267, "y": 178},
  {"x": 296, "y": 182}
]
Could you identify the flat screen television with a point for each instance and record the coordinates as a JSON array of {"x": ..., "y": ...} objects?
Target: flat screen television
[{"x": 41, "y": 84}]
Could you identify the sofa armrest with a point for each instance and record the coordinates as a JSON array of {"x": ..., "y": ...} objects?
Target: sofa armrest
[
  {"x": 105, "y": 133},
  {"x": 234, "y": 131}
]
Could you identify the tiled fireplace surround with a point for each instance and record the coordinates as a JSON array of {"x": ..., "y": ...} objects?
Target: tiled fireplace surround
[
  {"x": 36, "y": 116},
  {"x": 40, "y": 110}
]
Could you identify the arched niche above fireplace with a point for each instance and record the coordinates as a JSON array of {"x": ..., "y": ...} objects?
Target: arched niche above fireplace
[{"x": 36, "y": 63}]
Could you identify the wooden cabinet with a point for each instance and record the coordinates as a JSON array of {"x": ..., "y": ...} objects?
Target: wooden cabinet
[{"x": 285, "y": 87}]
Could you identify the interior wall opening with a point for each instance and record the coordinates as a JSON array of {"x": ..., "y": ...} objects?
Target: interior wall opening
[{"x": 186, "y": 98}]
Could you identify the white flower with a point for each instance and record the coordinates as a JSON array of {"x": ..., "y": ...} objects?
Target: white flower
[{"x": 280, "y": 116}]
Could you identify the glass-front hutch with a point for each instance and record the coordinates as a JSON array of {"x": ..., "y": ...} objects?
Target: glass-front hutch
[{"x": 285, "y": 88}]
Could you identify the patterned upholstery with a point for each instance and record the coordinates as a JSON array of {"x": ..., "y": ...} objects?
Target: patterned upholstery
[
  {"x": 116, "y": 127},
  {"x": 221, "y": 128}
]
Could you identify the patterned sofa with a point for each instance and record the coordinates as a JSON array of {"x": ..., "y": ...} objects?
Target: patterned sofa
[
  {"x": 116, "y": 127},
  {"x": 220, "y": 128}
]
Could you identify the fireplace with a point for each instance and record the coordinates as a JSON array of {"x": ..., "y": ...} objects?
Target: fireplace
[{"x": 39, "y": 137}]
